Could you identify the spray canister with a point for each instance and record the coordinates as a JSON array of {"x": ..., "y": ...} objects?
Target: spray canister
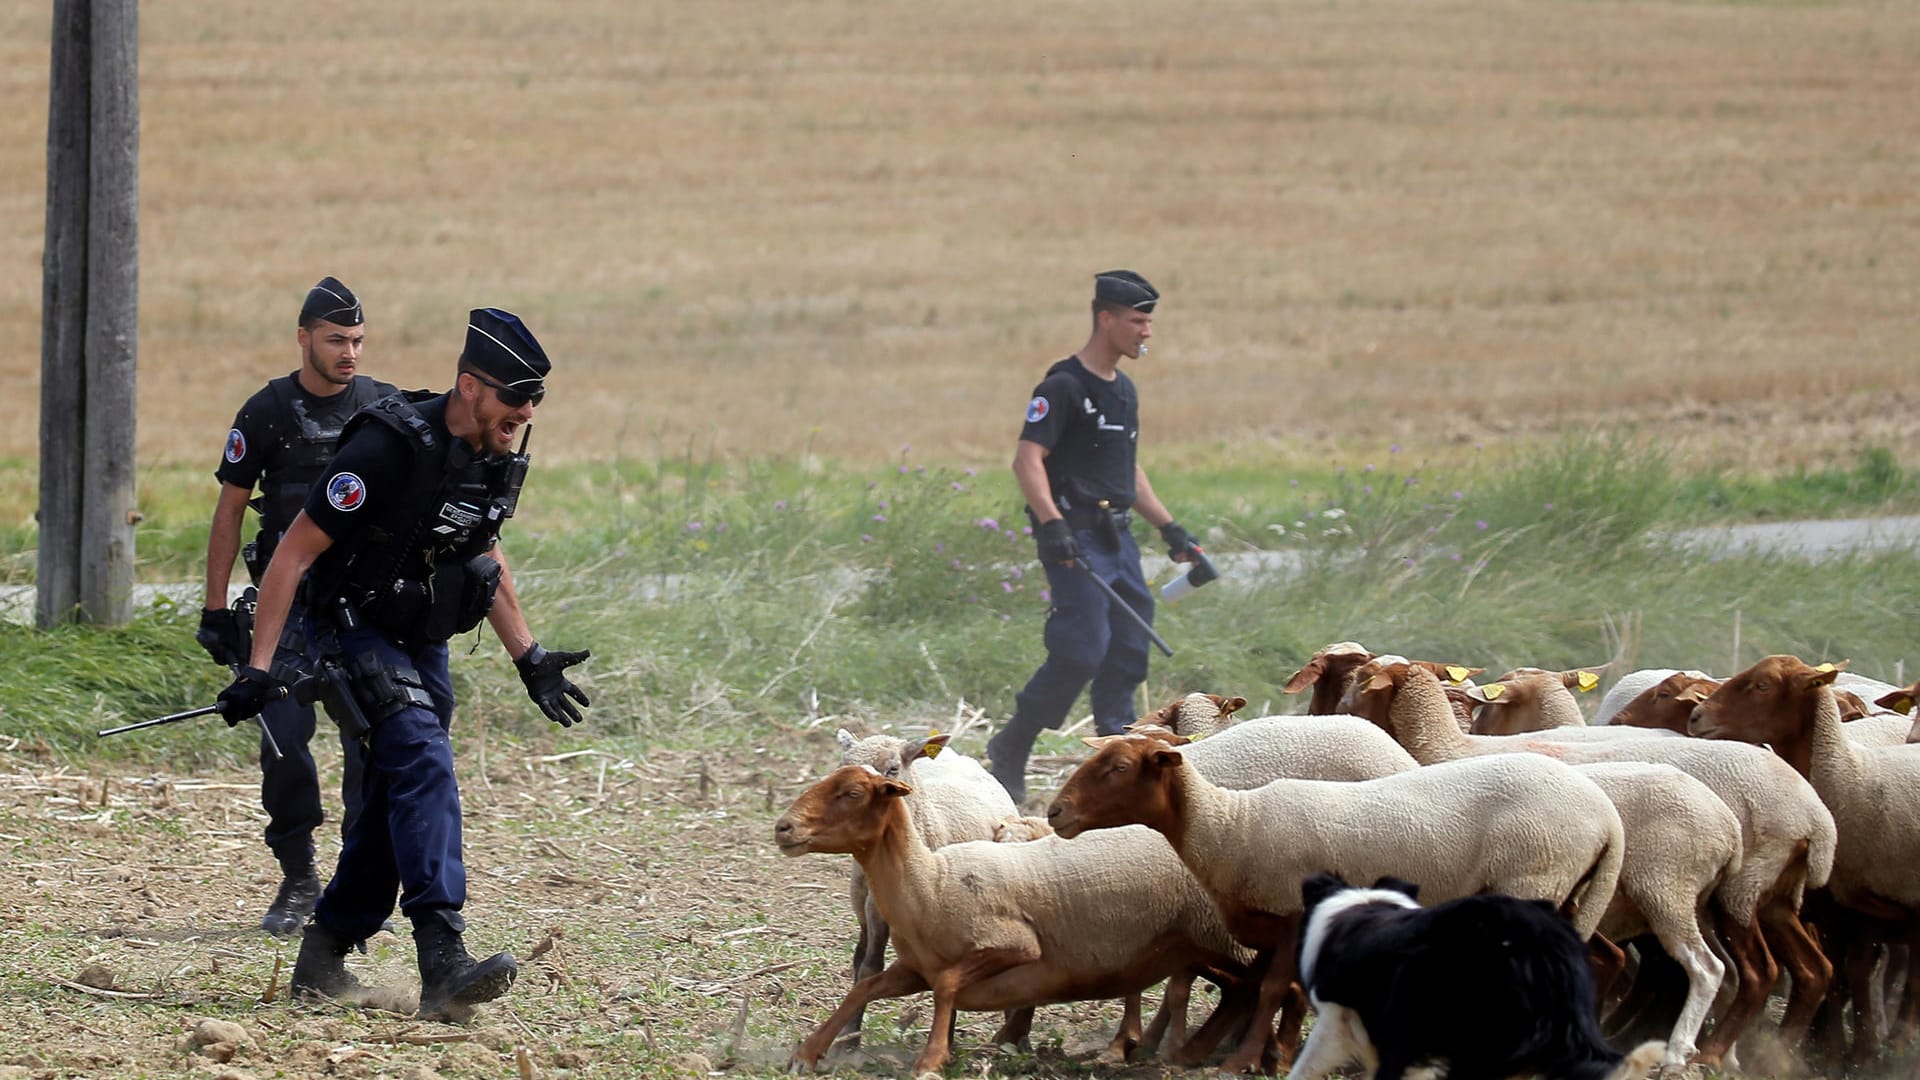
[{"x": 1201, "y": 573}]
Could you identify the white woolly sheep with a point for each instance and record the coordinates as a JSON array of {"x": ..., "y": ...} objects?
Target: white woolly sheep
[
  {"x": 1787, "y": 704},
  {"x": 1521, "y": 825},
  {"x": 990, "y": 926},
  {"x": 954, "y": 799},
  {"x": 1683, "y": 842},
  {"x": 1787, "y": 844}
]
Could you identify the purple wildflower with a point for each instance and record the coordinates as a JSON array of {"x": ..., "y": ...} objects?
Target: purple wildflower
[{"x": 1481, "y": 524}]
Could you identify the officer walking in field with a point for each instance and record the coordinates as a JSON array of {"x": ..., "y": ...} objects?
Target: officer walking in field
[
  {"x": 1076, "y": 467},
  {"x": 281, "y": 440},
  {"x": 397, "y": 544}
]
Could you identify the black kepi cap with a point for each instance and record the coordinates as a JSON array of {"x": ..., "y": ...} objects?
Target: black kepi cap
[
  {"x": 1124, "y": 288},
  {"x": 500, "y": 346},
  {"x": 332, "y": 301}
]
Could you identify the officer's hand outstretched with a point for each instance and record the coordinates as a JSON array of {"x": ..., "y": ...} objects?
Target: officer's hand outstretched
[
  {"x": 250, "y": 692},
  {"x": 221, "y": 636},
  {"x": 1180, "y": 542},
  {"x": 1056, "y": 543},
  {"x": 547, "y": 684}
]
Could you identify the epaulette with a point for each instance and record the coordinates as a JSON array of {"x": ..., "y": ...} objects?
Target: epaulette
[{"x": 397, "y": 411}]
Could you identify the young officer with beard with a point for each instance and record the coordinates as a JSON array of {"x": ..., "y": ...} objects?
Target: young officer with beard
[
  {"x": 1076, "y": 467},
  {"x": 397, "y": 545},
  {"x": 282, "y": 438}
]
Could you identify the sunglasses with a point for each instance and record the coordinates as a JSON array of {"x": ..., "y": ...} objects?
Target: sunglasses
[{"x": 508, "y": 396}]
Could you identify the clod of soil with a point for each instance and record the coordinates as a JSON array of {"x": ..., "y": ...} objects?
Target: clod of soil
[
  {"x": 218, "y": 1039},
  {"x": 98, "y": 976}
]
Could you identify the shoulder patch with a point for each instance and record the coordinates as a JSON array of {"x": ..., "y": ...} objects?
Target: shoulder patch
[
  {"x": 346, "y": 492},
  {"x": 1036, "y": 410},
  {"x": 236, "y": 445}
]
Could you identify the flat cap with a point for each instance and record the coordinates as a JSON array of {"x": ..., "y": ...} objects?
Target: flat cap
[
  {"x": 1124, "y": 288},
  {"x": 500, "y": 346},
  {"x": 332, "y": 301}
]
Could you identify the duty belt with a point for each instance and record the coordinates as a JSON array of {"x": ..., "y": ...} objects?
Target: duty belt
[{"x": 1096, "y": 518}]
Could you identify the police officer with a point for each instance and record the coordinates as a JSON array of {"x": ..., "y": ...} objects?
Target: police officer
[
  {"x": 1076, "y": 467},
  {"x": 397, "y": 543},
  {"x": 281, "y": 440}
]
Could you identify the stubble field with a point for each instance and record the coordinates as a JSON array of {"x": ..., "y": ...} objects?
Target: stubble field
[{"x": 843, "y": 226}]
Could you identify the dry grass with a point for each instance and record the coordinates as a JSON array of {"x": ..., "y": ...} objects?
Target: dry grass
[{"x": 853, "y": 224}]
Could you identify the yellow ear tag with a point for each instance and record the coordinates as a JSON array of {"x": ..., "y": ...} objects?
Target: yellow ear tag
[
  {"x": 1198, "y": 737},
  {"x": 933, "y": 749},
  {"x": 1824, "y": 668},
  {"x": 1493, "y": 690},
  {"x": 1903, "y": 705},
  {"x": 1588, "y": 680},
  {"x": 1457, "y": 674}
]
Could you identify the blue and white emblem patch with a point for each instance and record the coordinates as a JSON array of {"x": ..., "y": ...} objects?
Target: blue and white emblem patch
[
  {"x": 236, "y": 445},
  {"x": 1037, "y": 410},
  {"x": 346, "y": 492}
]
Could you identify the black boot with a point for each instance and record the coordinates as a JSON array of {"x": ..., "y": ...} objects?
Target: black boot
[
  {"x": 451, "y": 982},
  {"x": 1007, "y": 758},
  {"x": 299, "y": 892},
  {"x": 321, "y": 969}
]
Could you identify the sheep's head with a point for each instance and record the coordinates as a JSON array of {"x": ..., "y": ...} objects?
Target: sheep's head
[
  {"x": 1526, "y": 703},
  {"x": 1014, "y": 829},
  {"x": 1771, "y": 702},
  {"x": 1902, "y": 702},
  {"x": 889, "y": 755},
  {"x": 1580, "y": 680},
  {"x": 844, "y": 813},
  {"x": 1370, "y": 693},
  {"x": 1328, "y": 672},
  {"x": 1667, "y": 704},
  {"x": 1126, "y": 782},
  {"x": 1194, "y": 715}
]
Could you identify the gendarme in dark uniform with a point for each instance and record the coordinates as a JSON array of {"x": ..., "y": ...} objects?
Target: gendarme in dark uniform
[
  {"x": 281, "y": 440},
  {"x": 1077, "y": 469},
  {"x": 397, "y": 548}
]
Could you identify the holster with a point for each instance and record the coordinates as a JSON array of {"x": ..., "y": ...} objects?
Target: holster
[
  {"x": 255, "y": 554},
  {"x": 383, "y": 689}
]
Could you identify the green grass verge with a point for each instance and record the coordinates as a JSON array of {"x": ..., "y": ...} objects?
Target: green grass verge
[{"x": 724, "y": 602}]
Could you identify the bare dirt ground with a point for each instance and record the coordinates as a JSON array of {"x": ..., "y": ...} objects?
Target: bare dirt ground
[{"x": 660, "y": 931}]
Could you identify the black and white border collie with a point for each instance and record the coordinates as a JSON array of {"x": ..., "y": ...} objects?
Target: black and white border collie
[{"x": 1482, "y": 988}]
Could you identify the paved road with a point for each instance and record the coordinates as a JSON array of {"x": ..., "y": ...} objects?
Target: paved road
[{"x": 1797, "y": 539}]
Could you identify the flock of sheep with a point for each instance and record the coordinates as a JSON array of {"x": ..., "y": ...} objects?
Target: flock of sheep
[{"x": 1709, "y": 868}]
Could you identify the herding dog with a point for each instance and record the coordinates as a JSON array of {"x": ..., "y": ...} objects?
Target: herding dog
[{"x": 1483, "y": 988}]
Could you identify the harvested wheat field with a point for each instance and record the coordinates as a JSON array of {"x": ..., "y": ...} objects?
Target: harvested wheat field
[{"x": 844, "y": 225}]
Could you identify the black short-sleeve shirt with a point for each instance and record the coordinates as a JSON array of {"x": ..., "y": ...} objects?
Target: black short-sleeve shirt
[
  {"x": 1091, "y": 428},
  {"x": 372, "y": 469}
]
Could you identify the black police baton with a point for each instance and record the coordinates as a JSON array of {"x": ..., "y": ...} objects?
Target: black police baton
[
  {"x": 1126, "y": 607},
  {"x": 273, "y": 744}
]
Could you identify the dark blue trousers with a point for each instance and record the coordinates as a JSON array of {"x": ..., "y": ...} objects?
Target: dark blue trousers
[
  {"x": 407, "y": 838},
  {"x": 290, "y": 785},
  {"x": 1089, "y": 641}
]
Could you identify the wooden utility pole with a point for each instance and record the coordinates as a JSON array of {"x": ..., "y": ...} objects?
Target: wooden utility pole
[{"x": 89, "y": 314}]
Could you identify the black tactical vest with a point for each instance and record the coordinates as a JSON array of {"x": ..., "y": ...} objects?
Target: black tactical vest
[
  {"x": 305, "y": 448},
  {"x": 418, "y": 571}
]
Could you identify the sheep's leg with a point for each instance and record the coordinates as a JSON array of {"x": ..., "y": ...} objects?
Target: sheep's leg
[
  {"x": 869, "y": 956},
  {"x": 1908, "y": 1024},
  {"x": 1275, "y": 984},
  {"x": 1756, "y": 970},
  {"x": 946, "y": 988},
  {"x": 1788, "y": 938},
  {"x": 1607, "y": 961},
  {"x": 895, "y": 981},
  {"x": 1015, "y": 1029},
  {"x": 1169, "y": 1026},
  {"x": 1858, "y": 964},
  {"x": 1127, "y": 1037},
  {"x": 1679, "y": 935},
  {"x": 1236, "y": 1003}
]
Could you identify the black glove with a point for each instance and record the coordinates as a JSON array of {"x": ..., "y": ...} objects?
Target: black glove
[
  {"x": 1056, "y": 543},
  {"x": 250, "y": 692},
  {"x": 1179, "y": 541},
  {"x": 547, "y": 684},
  {"x": 221, "y": 636}
]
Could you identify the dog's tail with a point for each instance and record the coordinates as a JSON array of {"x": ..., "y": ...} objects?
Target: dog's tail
[{"x": 1635, "y": 1065}]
